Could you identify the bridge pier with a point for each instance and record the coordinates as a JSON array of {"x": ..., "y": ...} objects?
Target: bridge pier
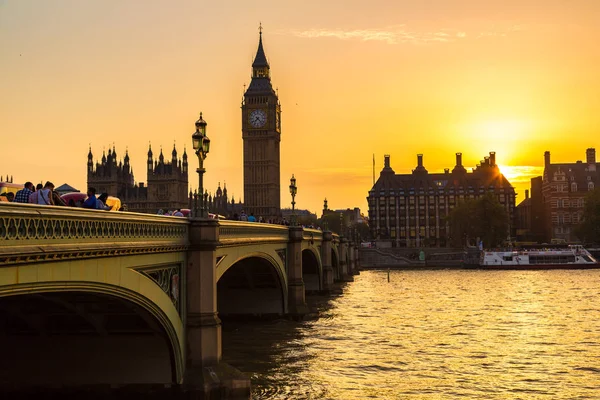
[
  {"x": 296, "y": 294},
  {"x": 326, "y": 261},
  {"x": 205, "y": 372},
  {"x": 345, "y": 272},
  {"x": 356, "y": 260},
  {"x": 353, "y": 270}
]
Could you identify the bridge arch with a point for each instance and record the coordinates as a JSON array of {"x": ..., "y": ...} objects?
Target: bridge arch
[
  {"x": 252, "y": 284},
  {"x": 312, "y": 270},
  {"x": 81, "y": 333}
]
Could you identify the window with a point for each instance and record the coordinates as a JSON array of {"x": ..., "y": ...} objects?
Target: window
[
  {"x": 590, "y": 185},
  {"x": 573, "y": 186}
]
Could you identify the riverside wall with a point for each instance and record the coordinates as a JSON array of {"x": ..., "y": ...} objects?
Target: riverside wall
[{"x": 435, "y": 257}]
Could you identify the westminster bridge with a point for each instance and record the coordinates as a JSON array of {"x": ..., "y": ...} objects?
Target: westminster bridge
[{"x": 90, "y": 297}]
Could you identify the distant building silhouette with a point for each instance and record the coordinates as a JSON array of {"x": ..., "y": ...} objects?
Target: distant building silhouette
[
  {"x": 529, "y": 215},
  {"x": 167, "y": 187},
  {"x": 411, "y": 210}
]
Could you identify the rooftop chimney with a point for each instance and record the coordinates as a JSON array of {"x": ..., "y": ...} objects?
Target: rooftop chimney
[
  {"x": 419, "y": 160},
  {"x": 492, "y": 158},
  {"x": 459, "y": 159},
  {"x": 590, "y": 156},
  {"x": 386, "y": 161},
  {"x": 546, "y": 159},
  {"x": 487, "y": 160},
  {"x": 446, "y": 170},
  {"x": 526, "y": 194}
]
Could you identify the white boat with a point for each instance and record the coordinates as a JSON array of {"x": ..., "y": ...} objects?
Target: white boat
[{"x": 570, "y": 257}]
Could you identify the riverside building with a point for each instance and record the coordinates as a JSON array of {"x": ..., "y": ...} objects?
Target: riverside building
[
  {"x": 410, "y": 210},
  {"x": 564, "y": 188}
]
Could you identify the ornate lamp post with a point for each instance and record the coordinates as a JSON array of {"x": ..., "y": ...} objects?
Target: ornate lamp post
[
  {"x": 201, "y": 144},
  {"x": 325, "y": 209},
  {"x": 293, "y": 191},
  {"x": 341, "y": 224}
]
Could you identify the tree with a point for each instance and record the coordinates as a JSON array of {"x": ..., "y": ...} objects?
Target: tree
[
  {"x": 483, "y": 218},
  {"x": 589, "y": 230},
  {"x": 332, "y": 220},
  {"x": 307, "y": 220}
]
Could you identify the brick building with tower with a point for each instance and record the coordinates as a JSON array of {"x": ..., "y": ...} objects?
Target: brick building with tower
[{"x": 564, "y": 187}]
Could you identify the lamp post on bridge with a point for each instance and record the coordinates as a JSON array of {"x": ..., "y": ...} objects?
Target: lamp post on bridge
[
  {"x": 341, "y": 224},
  {"x": 325, "y": 225},
  {"x": 201, "y": 144},
  {"x": 293, "y": 191}
]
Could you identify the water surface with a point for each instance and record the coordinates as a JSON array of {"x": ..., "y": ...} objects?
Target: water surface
[{"x": 433, "y": 335}]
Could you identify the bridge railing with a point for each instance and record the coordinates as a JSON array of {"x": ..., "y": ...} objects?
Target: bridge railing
[
  {"x": 312, "y": 235},
  {"x": 31, "y": 233},
  {"x": 232, "y": 233}
]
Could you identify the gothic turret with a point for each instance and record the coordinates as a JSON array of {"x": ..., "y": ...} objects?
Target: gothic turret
[
  {"x": 90, "y": 163},
  {"x": 260, "y": 66},
  {"x": 184, "y": 164},
  {"x": 261, "y": 73},
  {"x": 150, "y": 155},
  {"x": 174, "y": 155}
]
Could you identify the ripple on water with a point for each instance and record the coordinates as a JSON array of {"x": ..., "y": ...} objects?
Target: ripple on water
[{"x": 433, "y": 334}]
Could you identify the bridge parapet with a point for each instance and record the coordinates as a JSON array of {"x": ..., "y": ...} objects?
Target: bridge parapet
[
  {"x": 31, "y": 233},
  {"x": 235, "y": 233},
  {"x": 312, "y": 235}
]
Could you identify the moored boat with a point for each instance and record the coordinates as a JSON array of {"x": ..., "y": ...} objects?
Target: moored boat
[{"x": 569, "y": 257}]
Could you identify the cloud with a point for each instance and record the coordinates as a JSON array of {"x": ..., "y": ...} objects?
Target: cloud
[
  {"x": 399, "y": 34},
  {"x": 391, "y": 35}
]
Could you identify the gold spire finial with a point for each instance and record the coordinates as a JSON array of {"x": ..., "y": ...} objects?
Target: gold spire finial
[{"x": 260, "y": 28}]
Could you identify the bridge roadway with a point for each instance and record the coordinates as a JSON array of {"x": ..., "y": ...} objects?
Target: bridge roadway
[{"x": 120, "y": 299}]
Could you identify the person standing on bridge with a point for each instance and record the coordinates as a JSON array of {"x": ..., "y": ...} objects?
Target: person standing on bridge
[
  {"x": 251, "y": 218},
  {"x": 45, "y": 194},
  {"x": 22, "y": 195},
  {"x": 90, "y": 202}
]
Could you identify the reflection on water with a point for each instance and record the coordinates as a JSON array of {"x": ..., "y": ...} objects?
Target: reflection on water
[{"x": 433, "y": 334}]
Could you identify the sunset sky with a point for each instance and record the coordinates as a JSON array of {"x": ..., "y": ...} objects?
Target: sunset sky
[{"x": 355, "y": 78}]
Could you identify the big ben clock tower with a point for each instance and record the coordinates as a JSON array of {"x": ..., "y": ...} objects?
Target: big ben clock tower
[{"x": 261, "y": 133}]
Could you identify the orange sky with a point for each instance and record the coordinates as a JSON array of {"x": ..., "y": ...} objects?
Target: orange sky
[{"x": 355, "y": 78}]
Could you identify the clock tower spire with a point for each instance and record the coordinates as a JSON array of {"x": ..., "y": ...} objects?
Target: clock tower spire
[{"x": 261, "y": 134}]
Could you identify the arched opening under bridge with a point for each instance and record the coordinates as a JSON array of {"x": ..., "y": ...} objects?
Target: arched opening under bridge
[
  {"x": 311, "y": 273},
  {"x": 70, "y": 338},
  {"x": 251, "y": 286}
]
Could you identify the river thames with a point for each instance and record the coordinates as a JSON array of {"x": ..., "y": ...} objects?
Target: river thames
[{"x": 432, "y": 335}]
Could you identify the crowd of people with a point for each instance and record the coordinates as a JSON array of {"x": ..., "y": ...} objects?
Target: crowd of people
[
  {"x": 278, "y": 221},
  {"x": 46, "y": 195}
]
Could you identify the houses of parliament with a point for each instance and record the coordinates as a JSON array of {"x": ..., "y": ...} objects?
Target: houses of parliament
[{"x": 167, "y": 179}]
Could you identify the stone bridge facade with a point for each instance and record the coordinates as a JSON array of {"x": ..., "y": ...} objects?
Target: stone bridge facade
[{"x": 90, "y": 297}]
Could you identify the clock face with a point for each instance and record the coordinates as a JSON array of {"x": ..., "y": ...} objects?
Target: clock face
[{"x": 258, "y": 118}]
